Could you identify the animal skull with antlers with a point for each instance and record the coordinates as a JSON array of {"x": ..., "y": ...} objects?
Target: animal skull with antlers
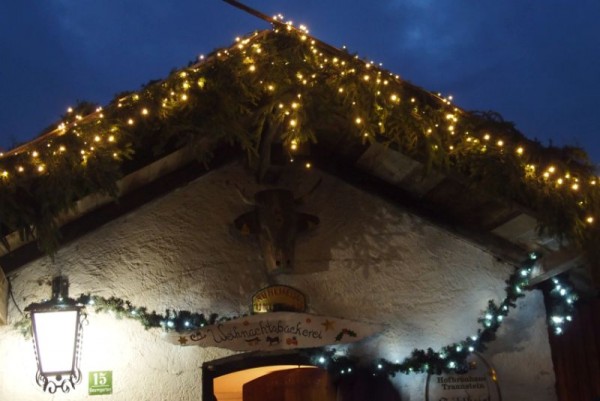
[{"x": 276, "y": 222}]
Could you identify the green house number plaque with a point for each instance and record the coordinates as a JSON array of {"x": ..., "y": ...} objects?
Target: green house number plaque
[{"x": 100, "y": 383}]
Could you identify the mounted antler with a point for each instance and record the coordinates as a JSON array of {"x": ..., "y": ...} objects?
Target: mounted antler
[
  {"x": 276, "y": 223},
  {"x": 300, "y": 200},
  {"x": 245, "y": 199}
]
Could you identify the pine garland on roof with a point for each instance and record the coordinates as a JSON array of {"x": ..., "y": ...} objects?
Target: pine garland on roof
[{"x": 286, "y": 86}]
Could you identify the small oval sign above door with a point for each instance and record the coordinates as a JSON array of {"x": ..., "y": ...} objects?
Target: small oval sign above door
[{"x": 278, "y": 298}]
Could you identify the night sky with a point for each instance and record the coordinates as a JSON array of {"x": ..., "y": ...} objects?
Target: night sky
[{"x": 535, "y": 62}]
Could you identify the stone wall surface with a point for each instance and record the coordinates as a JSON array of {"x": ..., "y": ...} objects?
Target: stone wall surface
[{"x": 368, "y": 260}]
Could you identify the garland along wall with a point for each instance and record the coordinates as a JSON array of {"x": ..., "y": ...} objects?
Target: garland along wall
[{"x": 367, "y": 260}]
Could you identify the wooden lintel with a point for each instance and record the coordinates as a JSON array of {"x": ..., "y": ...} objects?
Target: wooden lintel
[{"x": 557, "y": 263}]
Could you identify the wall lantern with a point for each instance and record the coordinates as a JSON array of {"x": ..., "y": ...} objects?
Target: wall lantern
[{"x": 56, "y": 326}]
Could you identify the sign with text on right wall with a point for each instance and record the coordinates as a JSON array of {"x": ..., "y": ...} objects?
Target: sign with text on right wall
[{"x": 478, "y": 384}]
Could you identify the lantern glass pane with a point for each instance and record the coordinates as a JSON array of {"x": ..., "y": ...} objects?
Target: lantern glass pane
[{"x": 55, "y": 333}]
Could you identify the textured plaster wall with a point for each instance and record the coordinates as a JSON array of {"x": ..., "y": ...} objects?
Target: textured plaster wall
[{"x": 368, "y": 260}]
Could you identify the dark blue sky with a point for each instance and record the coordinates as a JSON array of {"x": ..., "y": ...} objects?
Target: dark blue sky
[{"x": 535, "y": 62}]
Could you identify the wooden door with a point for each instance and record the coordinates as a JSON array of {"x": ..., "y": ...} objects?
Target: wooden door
[
  {"x": 576, "y": 354},
  {"x": 300, "y": 384}
]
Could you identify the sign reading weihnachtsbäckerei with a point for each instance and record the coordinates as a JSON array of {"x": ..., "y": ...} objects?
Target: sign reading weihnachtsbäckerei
[{"x": 276, "y": 330}]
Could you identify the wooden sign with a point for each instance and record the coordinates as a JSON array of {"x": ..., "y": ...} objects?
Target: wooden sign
[
  {"x": 478, "y": 384},
  {"x": 278, "y": 298},
  {"x": 275, "y": 331}
]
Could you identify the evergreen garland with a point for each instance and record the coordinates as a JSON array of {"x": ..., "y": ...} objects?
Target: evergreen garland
[{"x": 450, "y": 358}]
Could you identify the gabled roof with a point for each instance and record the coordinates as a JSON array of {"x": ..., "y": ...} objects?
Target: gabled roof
[{"x": 281, "y": 95}]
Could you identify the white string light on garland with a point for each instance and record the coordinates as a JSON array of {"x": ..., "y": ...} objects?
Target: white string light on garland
[{"x": 563, "y": 298}]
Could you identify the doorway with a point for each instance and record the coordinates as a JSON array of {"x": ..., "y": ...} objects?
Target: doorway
[
  {"x": 287, "y": 376},
  {"x": 249, "y": 377}
]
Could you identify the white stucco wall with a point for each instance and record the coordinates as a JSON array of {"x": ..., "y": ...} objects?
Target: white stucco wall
[{"x": 368, "y": 260}]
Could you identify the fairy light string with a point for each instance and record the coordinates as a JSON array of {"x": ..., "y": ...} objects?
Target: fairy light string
[
  {"x": 287, "y": 81},
  {"x": 449, "y": 358}
]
